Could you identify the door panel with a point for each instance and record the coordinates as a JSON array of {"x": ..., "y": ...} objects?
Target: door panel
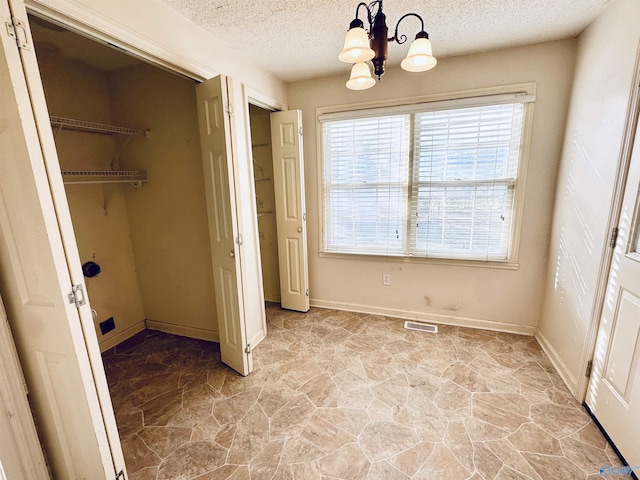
[
  {"x": 293, "y": 266},
  {"x": 614, "y": 389},
  {"x": 215, "y": 137},
  {"x": 35, "y": 278},
  {"x": 624, "y": 348},
  {"x": 288, "y": 179},
  {"x": 20, "y": 452},
  {"x": 232, "y": 335}
]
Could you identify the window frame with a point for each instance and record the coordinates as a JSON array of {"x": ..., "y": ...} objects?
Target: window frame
[{"x": 459, "y": 98}]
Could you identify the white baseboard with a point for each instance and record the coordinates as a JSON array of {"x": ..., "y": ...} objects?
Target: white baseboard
[
  {"x": 567, "y": 377},
  {"x": 121, "y": 336},
  {"x": 272, "y": 297},
  {"x": 192, "y": 332},
  {"x": 429, "y": 317}
]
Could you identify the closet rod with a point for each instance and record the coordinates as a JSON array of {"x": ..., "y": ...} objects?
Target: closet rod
[{"x": 93, "y": 127}]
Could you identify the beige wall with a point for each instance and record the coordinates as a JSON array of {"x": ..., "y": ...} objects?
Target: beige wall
[
  {"x": 98, "y": 212},
  {"x": 605, "y": 62},
  {"x": 485, "y": 297},
  {"x": 265, "y": 201},
  {"x": 168, "y": 215}
]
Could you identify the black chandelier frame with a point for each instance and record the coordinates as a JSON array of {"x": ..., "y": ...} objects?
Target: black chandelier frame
[{"x": 378, "y": 32}]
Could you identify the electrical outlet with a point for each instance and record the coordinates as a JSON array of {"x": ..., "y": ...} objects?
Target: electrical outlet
[
  {"x": 386, "y": 279},
  {"x": 108, "y": 325}
]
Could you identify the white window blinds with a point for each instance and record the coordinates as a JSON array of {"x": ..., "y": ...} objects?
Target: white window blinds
[
  {"x": 366, "y": 164},
  {"x": 433, "y": 183},
  {"x": 464, "y": 172}
]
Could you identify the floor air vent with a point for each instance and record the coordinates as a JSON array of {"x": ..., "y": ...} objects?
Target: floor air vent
[{"x": 422, "y": 327}]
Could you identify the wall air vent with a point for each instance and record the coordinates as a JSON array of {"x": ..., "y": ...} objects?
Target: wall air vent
[{"x": 422, "y": 327}]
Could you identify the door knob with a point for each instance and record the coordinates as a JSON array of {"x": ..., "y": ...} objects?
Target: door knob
[
  {"x": 232, "y": 254},
  {"x": 299, "y": 229}
]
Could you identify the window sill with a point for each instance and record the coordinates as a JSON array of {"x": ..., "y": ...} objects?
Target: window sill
[{"x": 495, "y": 264}]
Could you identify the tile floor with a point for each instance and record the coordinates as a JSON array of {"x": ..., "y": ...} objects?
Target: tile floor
[{"x": 339, "y": 395}]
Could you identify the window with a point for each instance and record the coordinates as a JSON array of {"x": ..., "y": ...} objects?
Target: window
[{"x": 431, "y": 180}]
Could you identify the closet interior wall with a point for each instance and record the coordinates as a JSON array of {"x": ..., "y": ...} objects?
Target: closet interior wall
[
  {"x": 260, "y": 125},
  {"x": 151, "y": 242}
]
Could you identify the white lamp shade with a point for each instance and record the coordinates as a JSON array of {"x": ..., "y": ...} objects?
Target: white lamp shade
[
  {"x": 420, "y": 57},
  {"x": 360, "y": 78},
  {"x": 356, "y": 47}
]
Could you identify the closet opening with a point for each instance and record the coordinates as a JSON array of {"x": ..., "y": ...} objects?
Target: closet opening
[
  {"x": 127, "y": 138},
  {"x": 261, "y": 151}
]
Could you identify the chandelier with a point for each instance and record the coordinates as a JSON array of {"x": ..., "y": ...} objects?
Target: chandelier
[{"x": 361, "y": 46}]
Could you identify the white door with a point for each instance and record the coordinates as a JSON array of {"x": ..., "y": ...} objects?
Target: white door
[
  {"x": 35, "y": 278},
  {"x": 288, "y": 181},
  {"x": 20, "y": 452},
  {"x": 614, "y": 389},
  {"x": 217, "y": 154}
]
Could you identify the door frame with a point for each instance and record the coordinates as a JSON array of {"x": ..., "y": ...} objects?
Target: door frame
[
  {"x": 251, "y": 96},
  {"x": 632, "y": 121}
]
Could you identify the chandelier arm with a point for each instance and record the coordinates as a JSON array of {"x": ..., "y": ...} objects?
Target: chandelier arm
[
  {"x": 369, "y": 17},
  {"x": 403, "y": 38},
  {"x": 373, "y": 4}
]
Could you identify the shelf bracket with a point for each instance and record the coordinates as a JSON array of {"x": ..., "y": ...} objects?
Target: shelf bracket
[{"x": 118, "y": 154}]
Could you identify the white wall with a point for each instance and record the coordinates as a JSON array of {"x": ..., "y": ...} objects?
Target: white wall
[
  {"x": 605, "y": 62},
  {"x": 486, "y": 297}
]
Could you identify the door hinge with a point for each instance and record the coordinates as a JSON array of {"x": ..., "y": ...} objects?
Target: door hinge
[
  {"x": 247, "y": 349},
  {"x": 120, "y": 475},
  {"x": 307, "y": 292},
  {"x": 589, "y": 368},
  {"x": 300, "y": 131},
  {"x": 77, "y": 296},
  {"x": 239, "y": 239},
  {"x": 304, "y": 217},
  {"x": 614, "y": 237},
  {"x": 229, "y": 109},
  {"x": 18, "y": 31}
]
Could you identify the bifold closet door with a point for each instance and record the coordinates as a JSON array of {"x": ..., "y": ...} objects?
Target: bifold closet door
[
  {"x": 213, "y": 98},
  {"x": 288, "y": 182}
]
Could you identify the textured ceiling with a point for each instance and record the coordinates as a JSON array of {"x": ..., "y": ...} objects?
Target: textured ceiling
[{"x": 299, "y": 39}]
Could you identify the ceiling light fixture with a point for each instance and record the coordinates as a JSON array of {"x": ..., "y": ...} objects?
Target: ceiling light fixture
[{"x": 361, "y": 46}]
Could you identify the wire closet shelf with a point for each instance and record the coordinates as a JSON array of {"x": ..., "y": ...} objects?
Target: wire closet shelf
[{"x": 135, "y": 177}]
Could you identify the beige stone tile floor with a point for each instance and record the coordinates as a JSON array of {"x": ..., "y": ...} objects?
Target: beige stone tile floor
[{"x": 340, "y": 395}]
